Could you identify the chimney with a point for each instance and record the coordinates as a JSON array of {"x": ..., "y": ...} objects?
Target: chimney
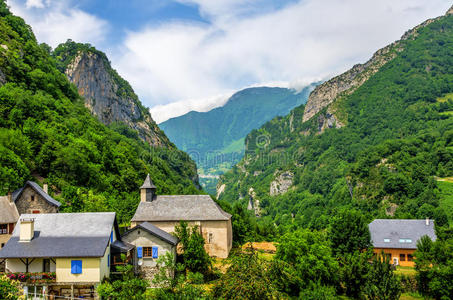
[
  {"x": 427, "y": 221},
  {"x": 27, "y": 229},
  {"x": 10, "y": 197},
  {"x": 45, "y": 187}
]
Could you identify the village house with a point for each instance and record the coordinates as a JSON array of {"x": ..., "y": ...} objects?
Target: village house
[
  {"x": 8, "y": 219},
  {"x": 73, "y": 250},
  {"x": 397, "y": 238},
  {"x": 166, "y": 212},
  {"x": 150, "y": 243},
  {"x": 32, "y": 199}
]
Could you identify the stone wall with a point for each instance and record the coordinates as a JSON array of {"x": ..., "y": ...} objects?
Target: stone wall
[{"x": 25, "y": 205}]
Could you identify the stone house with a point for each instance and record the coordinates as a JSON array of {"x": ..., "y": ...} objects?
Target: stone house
[
  {"x": 150, "y": 243},
  {"x": 397, "y": 238},
  {"x": 166, "y": 212},
  {"x": 73, "y": 250},
  {"x": 32, "y": 199}
]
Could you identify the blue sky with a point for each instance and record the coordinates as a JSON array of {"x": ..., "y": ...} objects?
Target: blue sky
[{"x": 193, "y": 54}]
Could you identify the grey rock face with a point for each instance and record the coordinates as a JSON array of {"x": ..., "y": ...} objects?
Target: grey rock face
[
  {"x": 93, "y": 79},
  {"x": 281, "y": 184}
]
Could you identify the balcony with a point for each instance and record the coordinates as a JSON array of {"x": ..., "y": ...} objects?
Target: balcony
[{"x": 40, "y": 277}]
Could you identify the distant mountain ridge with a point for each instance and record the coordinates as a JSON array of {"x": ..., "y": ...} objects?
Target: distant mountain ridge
[{"x": 215, "y": 139}]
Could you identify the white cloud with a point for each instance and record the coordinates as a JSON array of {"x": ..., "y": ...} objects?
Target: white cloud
[
  {"x": 294, "y": 44},
  {"x": 54, "y": 22}
]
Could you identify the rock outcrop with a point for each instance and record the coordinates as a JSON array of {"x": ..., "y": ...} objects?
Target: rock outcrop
[
  {"x": 281, "y": 184},
  {"x": 328, "y": 92},
  {"x": 99, "y": 85}
]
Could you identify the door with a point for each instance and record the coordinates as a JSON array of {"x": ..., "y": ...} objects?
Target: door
[{"x": 46, "y": 265}]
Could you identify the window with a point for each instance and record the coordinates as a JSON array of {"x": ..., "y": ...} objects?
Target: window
[
  {"x": 402, "y": 240},
  {"x": 155, "y": 252},
  {"x": 3, "y": 245},
  {"x": 36, "y": 211},
  {"x": 405, "y": 241},
  {"x": 408, "y": 241},
  {"x": 32, "y": 198},
  {"x": 210, "y": 238},
  {"x": 46, "y": 265},
  {"x": 386, "y": 240},
  {"x": 76, "y": 267},
  {"x": 403, "y": 257},
  {"x": 409, "y": 257},
  {"x": 147, "y": 252},
  {"x": 3, "y": 228}
]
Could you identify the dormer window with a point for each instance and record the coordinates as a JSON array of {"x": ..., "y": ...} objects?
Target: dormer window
[
  {"x": 405, "y": 241},
  {"x": 386, "y": 240}
]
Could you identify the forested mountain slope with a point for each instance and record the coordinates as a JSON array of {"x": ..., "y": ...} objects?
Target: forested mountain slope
[
  {"x": 107, "y": 95},
  {"x": 376, "y": 145},
  {"x": 46, "y": 133},
  {"x": 215, "y": 139}
]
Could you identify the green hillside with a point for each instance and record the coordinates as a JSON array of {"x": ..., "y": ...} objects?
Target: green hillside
[
  {"x": 214, "y": 139},
  {"x": 396, "y": 135},
  {"x": 46, "y": 133}
]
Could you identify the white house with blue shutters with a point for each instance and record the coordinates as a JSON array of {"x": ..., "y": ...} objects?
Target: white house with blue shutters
[
  {"x": 65, "y": 254},
  {"x": 151, "y": 243}
]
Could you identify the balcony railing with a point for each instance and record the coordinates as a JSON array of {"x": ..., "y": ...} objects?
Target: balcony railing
[{"x": 41, "y": 277}]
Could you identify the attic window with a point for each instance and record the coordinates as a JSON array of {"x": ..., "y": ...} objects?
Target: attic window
[
  {"x": 386, "y": 240},
  {"x": 32, "y": 198},
  {"x": 405, "y": 241}
]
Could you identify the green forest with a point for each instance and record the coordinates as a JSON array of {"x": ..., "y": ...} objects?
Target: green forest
[
  {"x": 397, "y": 140},
  {"x": 47, "y": 134}
]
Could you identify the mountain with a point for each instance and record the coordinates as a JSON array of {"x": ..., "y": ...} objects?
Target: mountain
[
  {"x": 375, "y": 138},
  {"x": 215, "y": 139},
  {"x": 107, "y": 95},
  {"x": 48, "y": 135}
]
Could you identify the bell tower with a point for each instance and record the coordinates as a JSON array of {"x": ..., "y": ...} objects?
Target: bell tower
[{"x": 147, "y": 190}]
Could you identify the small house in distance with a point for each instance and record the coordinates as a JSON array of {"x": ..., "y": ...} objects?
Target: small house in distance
[
  {"x": 32, "y": 199},
  {"x": 150, "y": 243},
  {"x": 397, "y": 238},
  {"x": 166, "y": 212},
  {"x": 8, "y": 219}
]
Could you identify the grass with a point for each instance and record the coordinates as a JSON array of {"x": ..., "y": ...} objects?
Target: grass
[
  {"x": 445, "y": 98},
  {"x": 405, "y": 271},
  {"x": 410, "y": 296},
  {"x": 446, "y": 196}
]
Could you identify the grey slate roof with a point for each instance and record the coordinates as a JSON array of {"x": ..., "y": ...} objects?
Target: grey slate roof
[
  {"x": 8, "y": 211},
  {"x": 396, "y": 229},
  {"x": 148, "y": 183},
  {"x": 63, "y": 235},
  {"x": 180, "y": 208},
  {"x": 121, "y": 247},
  {"x": 39, "y": 190},
  {"x": 157, "y": 232}
]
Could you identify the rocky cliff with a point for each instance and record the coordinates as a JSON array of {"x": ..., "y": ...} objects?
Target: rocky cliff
[
  {"x": 345, "y": 84},
  {"x": 106, "y": 94}
]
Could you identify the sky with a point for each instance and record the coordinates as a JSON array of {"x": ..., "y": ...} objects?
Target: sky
[{"x": 185, "y": 55}]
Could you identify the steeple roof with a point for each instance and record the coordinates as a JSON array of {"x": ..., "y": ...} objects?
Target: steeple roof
[{"x": 148, "y": 183}]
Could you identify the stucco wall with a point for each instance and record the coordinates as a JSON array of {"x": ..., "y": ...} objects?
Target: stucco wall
[
  {"x": 221, "y": 231},
  {"x": 26, "y": 206},
  {"x": 141, "y": 238},
  {"x": 396, "y": 253},
  {"x": 16, "y": 265},
  {"x": 91, "y": 270}
]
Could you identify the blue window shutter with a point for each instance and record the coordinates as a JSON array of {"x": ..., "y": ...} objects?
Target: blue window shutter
[
  {"x": 76, "y": 267},
  {"x": 139, "y": 252},
  {"x": 155, "y": 252},
  {"x": 111, "y": 237}
]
